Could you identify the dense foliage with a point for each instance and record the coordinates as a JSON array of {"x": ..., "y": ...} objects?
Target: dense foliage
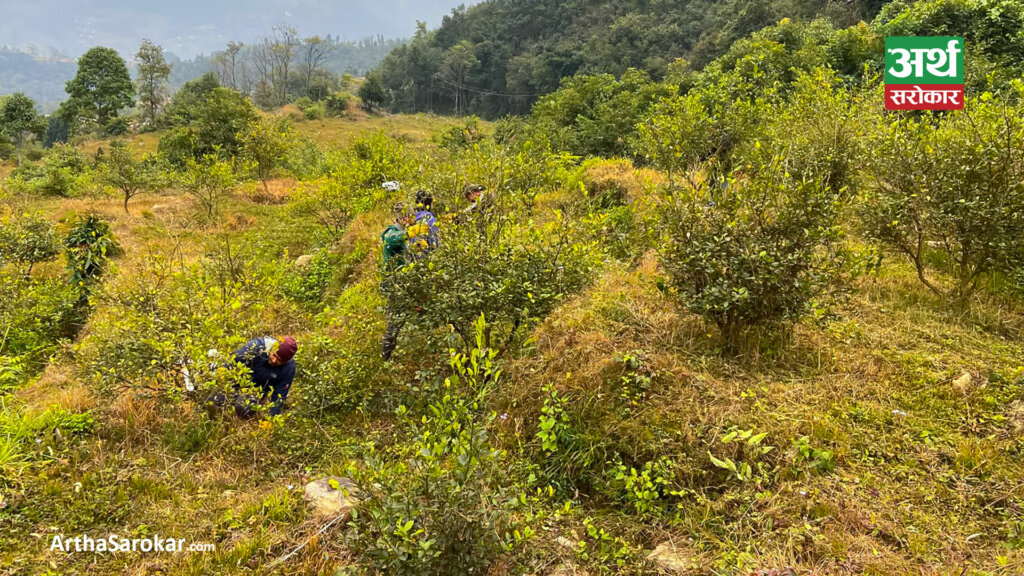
[{"x": 497, "y": 57}]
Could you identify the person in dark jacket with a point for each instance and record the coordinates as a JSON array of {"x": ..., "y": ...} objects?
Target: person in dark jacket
[{"x": 272, "y": 366}]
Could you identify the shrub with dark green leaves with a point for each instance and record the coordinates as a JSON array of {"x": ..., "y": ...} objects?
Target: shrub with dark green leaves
[
  {"x": 592, "y": 115},
  {"x": 209, "y": 120},
  {"x": 497, "y": 265},
  {"x": 27, "y": 241},
  {"x": 376, "y": 159},
  {"x": 88, "y": 247},
  {"x": 462, "y": 136},
  {"x": 167, "y": 315},
  {"x": 947, "y": 192},
  {"x": 762, "y": 250},
  {"x": 337, "y": 104}
]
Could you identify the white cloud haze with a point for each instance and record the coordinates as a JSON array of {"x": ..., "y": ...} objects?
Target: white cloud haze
[{"x": 189, "y": 27}]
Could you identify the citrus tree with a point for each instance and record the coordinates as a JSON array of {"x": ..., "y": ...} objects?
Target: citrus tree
[{"x": 947, "y": 192}]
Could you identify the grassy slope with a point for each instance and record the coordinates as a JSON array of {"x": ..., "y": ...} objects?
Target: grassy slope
[{"x": 926, "y": 474}]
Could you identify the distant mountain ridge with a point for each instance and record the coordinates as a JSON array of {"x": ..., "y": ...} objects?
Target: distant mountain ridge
[{"x": 42, "y": 77}]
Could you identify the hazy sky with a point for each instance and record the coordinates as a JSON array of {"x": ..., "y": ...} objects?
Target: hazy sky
[{"x": 188, "y": 27}]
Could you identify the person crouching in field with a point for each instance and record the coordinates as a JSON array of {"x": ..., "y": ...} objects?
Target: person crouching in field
[{"x": 271, "y": 364}]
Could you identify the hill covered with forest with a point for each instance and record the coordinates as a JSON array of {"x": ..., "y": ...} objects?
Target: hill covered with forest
[{"x": 498, "y": 56}]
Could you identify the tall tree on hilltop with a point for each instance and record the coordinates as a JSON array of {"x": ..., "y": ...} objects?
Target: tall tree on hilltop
[
  {"x": 100, "y": 88},
  {"x": 455, "y": 67},
  {"x": 152, "y": 81},
  {"x": 314, "y": 51},
  {"x": 19, "y": 121}
]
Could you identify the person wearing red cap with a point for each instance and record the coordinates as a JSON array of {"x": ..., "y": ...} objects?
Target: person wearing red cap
[{"x": 272, "y": 366}]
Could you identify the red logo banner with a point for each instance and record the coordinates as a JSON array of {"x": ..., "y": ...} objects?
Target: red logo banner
[{"x": 924, "y": 96}]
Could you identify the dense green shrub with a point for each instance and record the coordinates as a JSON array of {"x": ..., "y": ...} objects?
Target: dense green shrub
[
  {"x": 495, "y": 265},
  {"x": 592, "y": 115},
  {"x": 63, "y": 172},
  {"x": 88, "y": 247},
  {"x": 210, "y": 120},
  {"x": 761, "y": 250},
  {"x": 311, "y": 110},
  {"x": 677, "y": 136},
  {"x": 27, "y": 241},
  {"x": 168, "y": 315},
  {"x": 304, "y": 159},
  {"x": 36, "y": 314},
  {"x": 951, "y": 185},
  {"x": 820, "y": 130},
  {"x": 376, "y": 159},
  {"x": 264, "y": 145},
  {"x": 178, "y": 145},
  {"x": 308, "y": 284},
  {"x": 337, "y": 104},
  {"x": 462, "y": 136}
]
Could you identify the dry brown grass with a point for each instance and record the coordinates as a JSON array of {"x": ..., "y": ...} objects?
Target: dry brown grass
[
  {"x": 277, "y": 191},
  {"x": 890, "y": 507}
]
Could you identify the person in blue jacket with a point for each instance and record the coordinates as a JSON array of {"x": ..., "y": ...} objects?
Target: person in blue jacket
[{"x": 272, "y": 366}]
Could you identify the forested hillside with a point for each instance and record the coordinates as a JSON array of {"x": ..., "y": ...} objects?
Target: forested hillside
[
  {"x": 42, "y": 78},
  {"x": 497, "y": 57}
]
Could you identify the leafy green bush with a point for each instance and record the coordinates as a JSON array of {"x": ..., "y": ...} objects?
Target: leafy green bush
[
  {"x": 63, "y": 172},
  {"x": 378, "y": 158},
  {"x": 264, "y": 144},
  {"x": 304, "y": 159},
  {"x": 461, "y": 137},
  {"x": 168, "y": 316},
  {"x": 819, "y": 130},
  {"x": 443, "y": 503},
  {"x": 36, "y": 314},
  {"x": 337, "y": 104},
  {"x": 209, "y": 120},
  {"x": 88, "y": 246},
  {"x": 209, "y": 181},
  {"x": 27, "y": 241},
  {"x": 951, "y": 186},
  {"x": 178, "y": 145},
  {"x": 593, "y": 115},
  {"x": 761, "y": 251},
  {"x": 130, "y": 177},
  {"x": 346, "y": 371},
  {"x": 497, "y": 266},
  {"x": 309, "y": 283},
  {"x": 677, "y": 135}
]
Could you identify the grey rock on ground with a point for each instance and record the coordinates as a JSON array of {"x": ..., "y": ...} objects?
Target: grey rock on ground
[{"x": 328, "y": 500}]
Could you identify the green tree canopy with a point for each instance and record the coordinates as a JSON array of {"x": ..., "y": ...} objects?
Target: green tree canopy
[
  {"x": 152, "y": 81},
  {"x": 100, "y": 89},
  {"x": 19, "y": 121}
]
